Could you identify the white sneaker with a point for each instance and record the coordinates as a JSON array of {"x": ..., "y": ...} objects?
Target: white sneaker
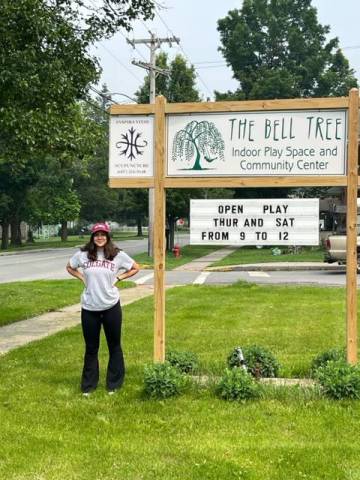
[
  {"x": 111, "y": 392},
  {"x": 86, "y": 394}
]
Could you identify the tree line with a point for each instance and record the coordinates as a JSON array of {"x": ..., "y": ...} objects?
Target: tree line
[{"x": 54, "y": 135}]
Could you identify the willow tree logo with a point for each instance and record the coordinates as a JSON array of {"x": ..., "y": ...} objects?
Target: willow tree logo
[
  {"x": 130, "y": 144},
  {"x": 199, "y": 142}
]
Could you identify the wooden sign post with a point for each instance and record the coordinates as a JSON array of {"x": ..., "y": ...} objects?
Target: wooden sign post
[{"x": 316, "y": 120}]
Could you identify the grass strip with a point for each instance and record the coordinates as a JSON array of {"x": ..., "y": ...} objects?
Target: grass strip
[
  {"x": 251, "y": 255},
  {"x": 21, "y": 300},
  {"x": 49, "y": 431}
]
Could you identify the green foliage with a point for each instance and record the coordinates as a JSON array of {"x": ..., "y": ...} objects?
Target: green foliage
[
  {"x": 323, "y": 358},
  {"x": 279, "y": 50},
  {"x": 339, "y": 379},
  {"x": 259, "y": 361},
  {"x": 179, "y": 86},
  {"x": 186, "y": 362},
  {"x": 237, "y": 385},
  {"x": 46, "y": 69},
  {"x": 163, "y": 380}
]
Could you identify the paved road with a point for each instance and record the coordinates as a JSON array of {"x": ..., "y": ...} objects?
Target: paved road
[
  {"x": 50, "y": 264},
  {"x": 38, "y": 265},
  {"x": 146, "y": 277}
]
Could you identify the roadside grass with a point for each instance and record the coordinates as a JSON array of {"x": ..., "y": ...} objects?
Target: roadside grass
[
  {"x": 48, "y": 431},
  {"x": 21, "y": 300},
  {"x": 188, "y": 254},
  {"x": 244, "y": 255},
  {"x": 72, "y": 241}
]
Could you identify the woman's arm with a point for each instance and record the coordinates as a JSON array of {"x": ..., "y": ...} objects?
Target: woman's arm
[
  {"x": 129, "y": 273},
  {"x": 75, "y": 273}
]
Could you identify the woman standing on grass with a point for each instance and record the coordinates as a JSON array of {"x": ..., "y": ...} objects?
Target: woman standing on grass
[{"x": 100, "y": 261}]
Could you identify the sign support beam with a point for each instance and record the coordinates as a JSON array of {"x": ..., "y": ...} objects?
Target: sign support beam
[
  {"x": 351, "y": 228},
  {"x": 159, "y": 232}
]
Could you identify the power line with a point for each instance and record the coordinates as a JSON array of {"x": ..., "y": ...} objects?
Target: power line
[
  {"x": 115, "y": 58},
  {"x": 126, "y": 68},
  {"x": 138, "y": 51},
  {"x": 102, "y": 94},
  {"x": 183, "y": 51}
]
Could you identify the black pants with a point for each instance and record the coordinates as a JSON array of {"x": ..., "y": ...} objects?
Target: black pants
[{"x": 91, "y": 325}]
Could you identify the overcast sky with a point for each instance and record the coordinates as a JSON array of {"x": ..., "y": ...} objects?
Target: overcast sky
[{"x": 195, "y": 22}]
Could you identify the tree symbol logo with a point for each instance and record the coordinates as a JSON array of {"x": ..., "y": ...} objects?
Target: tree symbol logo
[
  {"x": 197, "y": 141},
  {"x": 130, "y": 145}
]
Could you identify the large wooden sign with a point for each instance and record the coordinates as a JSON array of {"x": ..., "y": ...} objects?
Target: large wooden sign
[
  {"x": 254, "y": 222},
  {"x": 257, "y": 143},
  {"x": 265, "y": 143}
]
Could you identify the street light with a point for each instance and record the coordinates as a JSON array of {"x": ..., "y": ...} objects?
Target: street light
[{"x": 108, "y": 95}]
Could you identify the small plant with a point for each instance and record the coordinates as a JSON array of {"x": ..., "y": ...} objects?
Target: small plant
[
  {"x": 162, "y": 380},
  {"x": 237, "y": 385},
  {"x": 339, "y": 379},
  {"x": 259, "y": 361},
  {"x": 322, "y": 359},
  {"x": 186, "y": 362}
]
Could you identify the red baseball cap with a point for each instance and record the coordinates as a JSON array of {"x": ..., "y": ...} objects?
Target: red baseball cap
[{"x": 100, "y": 227}]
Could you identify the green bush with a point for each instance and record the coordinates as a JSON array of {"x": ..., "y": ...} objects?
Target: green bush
[
  {"x": 236, "y": 385},
  {"x": 324, "y": 357},
  {"x": 162, "y": 380},
  {"x": 339, "y": 379},
  {"x": 186, "y": 362},
  {"x": 259, "y": 361}
]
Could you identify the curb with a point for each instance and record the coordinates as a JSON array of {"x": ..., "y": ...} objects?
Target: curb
[
  {"x": 273, "y": 267},
  {"x": 5, "y": 254}
]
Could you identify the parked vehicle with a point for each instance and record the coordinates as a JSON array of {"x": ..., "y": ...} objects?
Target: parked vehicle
[
  {"x": 335, "y": 245},
  {"x": 336, "y": 249}
]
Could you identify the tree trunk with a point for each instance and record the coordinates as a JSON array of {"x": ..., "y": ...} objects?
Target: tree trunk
[
  {"x": 171, "y": 222},
  {"x": 139, "y": 226},
  {"x": 30, "y": 238},
  {"x": 15, "y": 232},
  {"x": 64, "y": 231},
  {"x": 4, "y": 235}
]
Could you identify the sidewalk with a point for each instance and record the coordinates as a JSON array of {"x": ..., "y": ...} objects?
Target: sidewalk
[
  {"x": 200, "y": 264},
  {"x": 26, "y": 331}
]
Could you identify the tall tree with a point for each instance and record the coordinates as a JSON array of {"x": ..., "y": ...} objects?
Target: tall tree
[
  {"x": 278, "y": 49},
  {"x": 45, "y": 69},
  {"x": 178, "y": 86}
]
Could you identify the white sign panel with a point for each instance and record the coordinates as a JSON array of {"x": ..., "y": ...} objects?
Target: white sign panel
[
  {"x": 254, "y": 222},
  {"x": 131, "y": 146},
  {"x": 272, "y": 143}
]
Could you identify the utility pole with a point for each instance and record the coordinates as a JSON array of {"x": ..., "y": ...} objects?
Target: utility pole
[{"x": 153, "y": 43}]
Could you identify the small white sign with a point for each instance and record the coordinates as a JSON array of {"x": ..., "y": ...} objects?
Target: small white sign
[
  {"x": 254, "y": 222},
  {"x": 131, "y": 146},
  {"x": 274, "y": 143}
]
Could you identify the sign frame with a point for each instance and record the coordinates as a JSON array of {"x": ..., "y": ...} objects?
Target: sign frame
[{"x": 160, "y": 182}]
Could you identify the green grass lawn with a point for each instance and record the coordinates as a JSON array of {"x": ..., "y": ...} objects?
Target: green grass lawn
[
  {"x": 48, "y": 431},
  {"x": 246, "y": 255},
  {"x": 21, "y": 300},
  {"x": 188, "y": 254}
]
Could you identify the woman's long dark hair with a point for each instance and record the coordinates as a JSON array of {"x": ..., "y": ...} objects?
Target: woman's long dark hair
[{"x": 110, "y": 249}]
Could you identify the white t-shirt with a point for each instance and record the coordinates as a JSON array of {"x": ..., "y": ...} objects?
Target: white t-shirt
[{"x": 100, "y": 292}]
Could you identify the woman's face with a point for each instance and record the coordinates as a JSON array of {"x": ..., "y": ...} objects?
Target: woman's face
[{"x": 100, "y": 239}]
